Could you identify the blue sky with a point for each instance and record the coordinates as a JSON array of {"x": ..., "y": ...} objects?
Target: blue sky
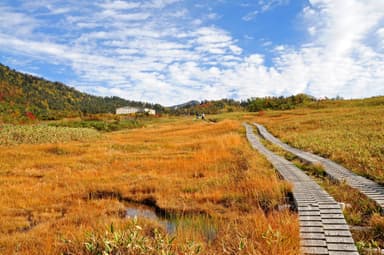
[{"x": 172, "y": 51}]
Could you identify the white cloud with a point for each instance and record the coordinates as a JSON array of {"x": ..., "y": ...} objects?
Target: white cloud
[
  {"x": 213, "y": 15},
  {"x": 279, "y": 48},
  {"x": 16, "y": 22},
  {"x": 159, "y": 4},
  {"x": 340, "y": 59},
  {"x": 248, "y": 37},
  {"x": 250, "y": 15},
  {"x": 180, "y": 13},
  {"x": 215, "y": 41},
  {"x": 120, "y": 5},
  {"x": 380, "y": 35},
  {"x": 255, "y": 59},
  {"x": 261, "y": 7},
  {"x": 312, "y": 31},
  {"x": 116, "y": 15},
  {"x": 235, "y": 49},
  {"x": 343, "y": 57},
  {"x": 197, "y": 22},
  {"x": 267, "y": 5}
]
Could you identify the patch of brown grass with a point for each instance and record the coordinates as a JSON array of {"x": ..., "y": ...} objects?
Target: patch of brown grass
[{"x": 47, "y": 192}]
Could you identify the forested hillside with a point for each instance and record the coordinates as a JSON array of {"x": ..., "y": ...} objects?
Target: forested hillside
[
  {"x": 253, "y": 104},
  {"x": 206, "y": 106},
  {"x": 24, "y": 96}
]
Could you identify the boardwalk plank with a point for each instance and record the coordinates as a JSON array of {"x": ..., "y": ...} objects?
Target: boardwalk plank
[
  {"x": 314, "y": 243},
  {"x": 315, "y": 250},
  {"x": 337, "y": 233},
  {"x": 343, "y": 253},
  {"x": 332, "y": 239},
  {"x": 341, "y": 247}
]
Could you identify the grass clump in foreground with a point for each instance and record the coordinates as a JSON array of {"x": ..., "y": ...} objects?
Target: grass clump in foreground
[
  {"x": 35, "y": 134},
  {"x": 131, "y": 239},
  {"x": 182, "y": 167}
]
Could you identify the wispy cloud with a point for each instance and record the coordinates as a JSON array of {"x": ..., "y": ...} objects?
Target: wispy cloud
[
  {"x": 119, "y": 5},
  {"x": 14, "y": 21},
  {"x": 261, "y": 6},
  {"x": 266, "y": 5},
  {"x": 250, "y": 15}
]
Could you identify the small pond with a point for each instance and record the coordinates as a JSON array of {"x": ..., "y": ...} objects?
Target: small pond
[
  {"x": 173, "y": 223},
  {"x": 141, "y": 211}
]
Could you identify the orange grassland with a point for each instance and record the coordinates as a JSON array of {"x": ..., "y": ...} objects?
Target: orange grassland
[{"x": 53, "y": 195}]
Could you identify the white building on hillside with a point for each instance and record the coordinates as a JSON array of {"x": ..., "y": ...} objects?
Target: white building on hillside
[
  {"x": 132, "y": 110},
  {"x": 150, "y": 111},
  {"x": 127, "y": 110}
]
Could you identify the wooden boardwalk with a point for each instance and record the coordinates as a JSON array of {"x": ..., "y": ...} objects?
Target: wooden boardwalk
[
  {"x": 323, "y": 229},
  {"x": 369, "y": 188}
]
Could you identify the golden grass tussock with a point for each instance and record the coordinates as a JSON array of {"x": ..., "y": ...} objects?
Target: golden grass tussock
[
  {"x": 352, "y": 136},
  {"x": 53, "y": 197}
]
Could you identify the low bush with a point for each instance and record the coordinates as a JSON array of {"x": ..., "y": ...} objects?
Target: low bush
[
  {"x": 100, "y": 125},
  {"x": 35, "y": 134}
]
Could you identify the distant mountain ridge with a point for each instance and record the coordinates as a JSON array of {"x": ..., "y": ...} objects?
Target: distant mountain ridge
[
  {"x": 186, "y": 104},
  {"x": 24, "y": 95}
]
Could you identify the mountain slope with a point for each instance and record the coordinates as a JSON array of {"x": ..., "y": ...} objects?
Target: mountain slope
[
  {"x": 184, "y": 105},
  {"x": 25, "y": 96}
]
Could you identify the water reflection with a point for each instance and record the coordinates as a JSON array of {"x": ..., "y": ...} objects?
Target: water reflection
[
  {"x": 202, "y": 224},
  {"x": 148, "y": 213}
]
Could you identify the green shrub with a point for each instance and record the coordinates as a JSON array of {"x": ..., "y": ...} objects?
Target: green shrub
[
  {"x": 99, "y": 125},
  {"x": 34, "y": 134}
]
